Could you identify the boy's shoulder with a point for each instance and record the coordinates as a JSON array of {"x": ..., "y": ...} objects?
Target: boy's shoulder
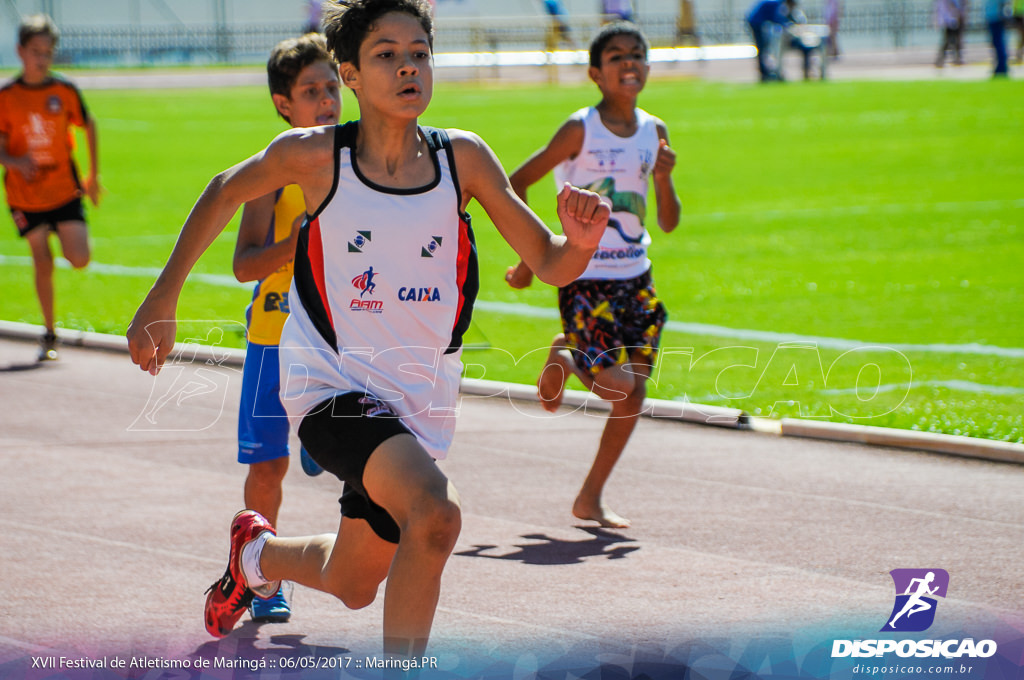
[
  {"x": 55, "y": 81},
  {"x": 461, "y": 141},
  {"x": 647, "y": 116},
  {"x": 580, "y": 116}
]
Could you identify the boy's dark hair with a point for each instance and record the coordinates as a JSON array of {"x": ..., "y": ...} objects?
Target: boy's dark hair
[
  {"x": 290, "y": 56},
  {"x": 609, "y": 31},
  {"x": 346, "y": 23},
  {"x": 37, "y": 24}
]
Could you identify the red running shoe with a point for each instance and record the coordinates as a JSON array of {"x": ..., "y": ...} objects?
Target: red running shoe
[{"x": 228, "y": 598}]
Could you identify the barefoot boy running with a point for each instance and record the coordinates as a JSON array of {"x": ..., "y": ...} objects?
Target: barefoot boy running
[
  {"x": 611, "y": 316},
  {"x": 380, "y": 367}
]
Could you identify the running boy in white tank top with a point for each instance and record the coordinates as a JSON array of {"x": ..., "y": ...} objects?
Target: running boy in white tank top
[
  {"x": 385, "y": 277},
  {"x": 611, "y": 315}
]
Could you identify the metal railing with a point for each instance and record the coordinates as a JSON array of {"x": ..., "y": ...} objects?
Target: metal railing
[{"x": 891, "y": 20}]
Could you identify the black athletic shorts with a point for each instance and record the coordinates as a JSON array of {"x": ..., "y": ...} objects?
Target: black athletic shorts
[
  {"x": 340, "y": 434},
  {"x": 72, "y": 211}
]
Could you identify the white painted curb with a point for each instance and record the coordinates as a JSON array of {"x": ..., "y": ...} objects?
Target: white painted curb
[
  {"x": 971, "y": 447},
  {"x": 229, "y": 356},
  {"x": 654, "y": 408}
]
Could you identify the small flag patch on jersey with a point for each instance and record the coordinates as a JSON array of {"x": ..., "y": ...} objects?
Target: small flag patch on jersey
[
  {"x": 428, "y": 250},
  {"x": 357, "y": 244}
]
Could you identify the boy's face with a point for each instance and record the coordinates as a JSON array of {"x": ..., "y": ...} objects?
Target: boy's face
[
  {"x": 624, "y": 66},
  {"x": 396, "y": 70},
  {"x": 315, "y": 98},
  {"x": 37, "y": 57}
]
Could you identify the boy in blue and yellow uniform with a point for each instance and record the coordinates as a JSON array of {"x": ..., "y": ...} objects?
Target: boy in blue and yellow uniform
[{"x": 304, "y": 86}]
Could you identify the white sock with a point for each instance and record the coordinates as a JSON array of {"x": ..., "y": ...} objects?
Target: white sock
[{"x": 251, "y": 572}]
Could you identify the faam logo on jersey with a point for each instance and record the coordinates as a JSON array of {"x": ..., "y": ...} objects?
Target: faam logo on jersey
[
  {"x": 366, "y": 285},
  {"x": 916, "y": 590}
]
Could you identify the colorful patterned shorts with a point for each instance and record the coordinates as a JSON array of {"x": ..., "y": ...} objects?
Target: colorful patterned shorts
[{"x": 604, "y": 320}]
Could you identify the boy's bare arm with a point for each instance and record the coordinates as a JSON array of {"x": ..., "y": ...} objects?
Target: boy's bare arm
[
  {"x": 293, "y": 158},
  {"x": 565, "y": 144},
  {"x": 25, "y": 164},
  {"x": 669, "y": 207},
  {"x": 92, "y": 179},
  {"x": 254, "y": 259},
  {"x": 557, "y": 260}
]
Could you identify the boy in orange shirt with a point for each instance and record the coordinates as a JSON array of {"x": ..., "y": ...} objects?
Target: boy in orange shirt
[{"x": 37, "y": 111}]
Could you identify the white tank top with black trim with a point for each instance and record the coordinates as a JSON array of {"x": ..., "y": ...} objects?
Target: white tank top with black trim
[
  {"x": 384, "y": 285},
  {"x": 618, "y": 168}
]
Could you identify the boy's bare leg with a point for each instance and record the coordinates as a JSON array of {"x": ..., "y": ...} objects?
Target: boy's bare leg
[
  {"x": 42, "y": 261},
  {"x": 263, "y": 487},
  {"x": 74, "y": 242},
  {"x": 625, "y": 386},
  {"x": 554, "y": 375},
  {"x": 402, "y": 478},
  {"x": 350, "y": 565}
]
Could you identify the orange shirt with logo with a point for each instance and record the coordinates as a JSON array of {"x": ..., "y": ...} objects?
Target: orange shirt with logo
[{"x": 37, "y": 120}]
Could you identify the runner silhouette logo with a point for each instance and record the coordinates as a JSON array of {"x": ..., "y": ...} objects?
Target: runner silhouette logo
[{"x": 916, "y": 593}]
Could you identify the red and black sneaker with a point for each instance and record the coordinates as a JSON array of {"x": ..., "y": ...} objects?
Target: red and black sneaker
[{"x": 228, "y": 598}]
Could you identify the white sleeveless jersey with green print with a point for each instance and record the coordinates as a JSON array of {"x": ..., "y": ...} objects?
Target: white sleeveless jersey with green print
[{"x": 618, "y": 168}]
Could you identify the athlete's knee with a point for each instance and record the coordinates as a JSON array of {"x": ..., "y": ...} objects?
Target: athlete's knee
[
  {"x": 42, "y": 260},
  {"x": 630, "y": 406},
  {"x": 78, "y": 259},
  {"x": 356, "y": 596},
  {"x": 355, "y": 588},
  {"x": 269, "y": 473},
  {"x": 435, "y": 525}
]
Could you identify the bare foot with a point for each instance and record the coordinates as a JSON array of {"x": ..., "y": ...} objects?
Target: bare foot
[
  {"x": 551, "y": 383},
  {"x": 600, "y": 513}
]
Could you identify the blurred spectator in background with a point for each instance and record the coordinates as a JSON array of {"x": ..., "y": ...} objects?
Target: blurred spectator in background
[
  {"x": 798, "y": 35},
  {"x": 616, "y": 10},
  {"x": 1017, "y": 22},
  {"x": 767, "y": 20},
  {"x": 314, "y": 12},
  {"x": 686, "y": 24},
  {"x": 832, "y": 12},
  {"x": 995, "y": 16},
  {"x": 560, "y": 31},
  {"x": 950, "y": 19}
]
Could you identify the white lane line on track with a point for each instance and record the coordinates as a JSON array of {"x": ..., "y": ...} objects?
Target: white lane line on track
[
  {"x": 549, "y": 313},
  {"x": 958, "y": 385},
  {"x": 79, "y": 536},
  {"x": 861, "y": 210},
  {"x": 703, "y": 329}
]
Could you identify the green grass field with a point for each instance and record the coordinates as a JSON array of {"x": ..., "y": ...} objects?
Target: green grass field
[{"x": 885, "y": 214}]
